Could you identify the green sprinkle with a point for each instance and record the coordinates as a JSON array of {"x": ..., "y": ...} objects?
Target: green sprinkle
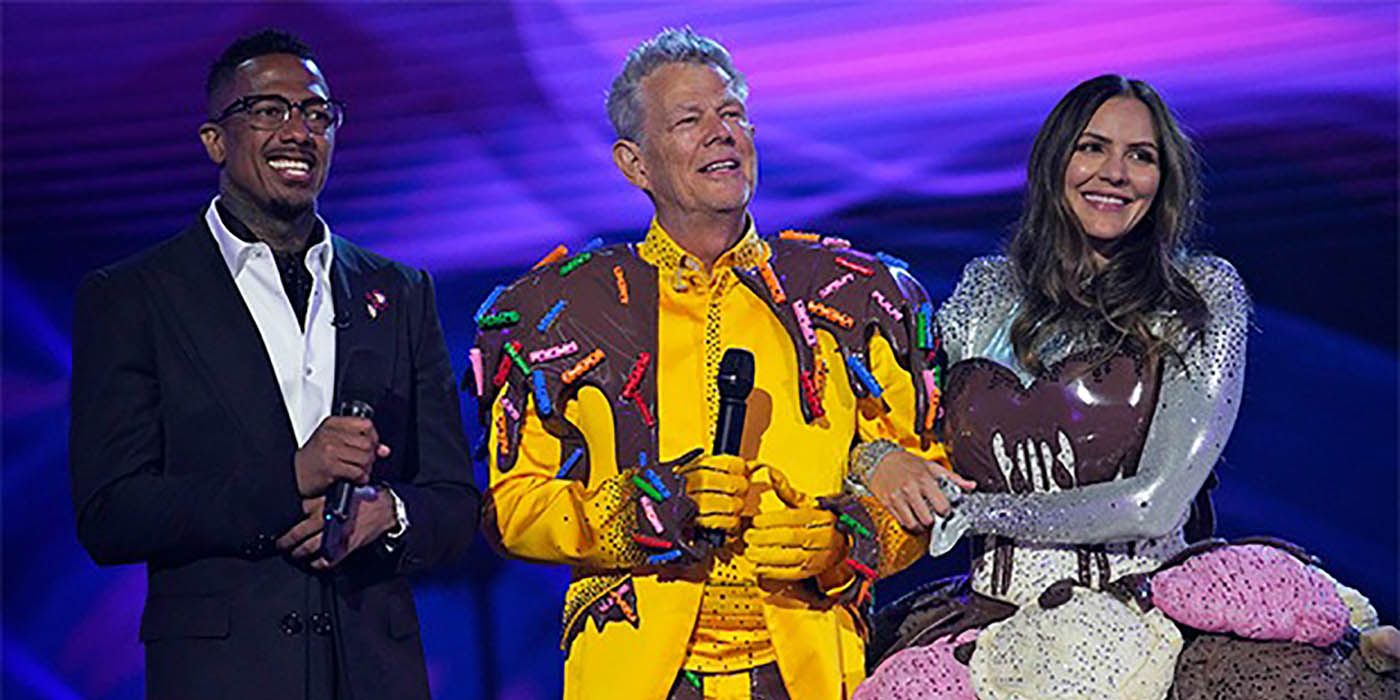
[
  {"x": 646, "y": 488},
  {"x": 496, "y": 320},
  {"x": 854, "y": 525},
  {"x": 573, "y": 263},
  {"x": 692, "y": 679},
  {"x": 921, "y": 331},
  {"x": 516, "y": 356}
]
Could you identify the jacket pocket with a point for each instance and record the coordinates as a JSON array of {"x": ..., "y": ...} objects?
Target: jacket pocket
[{"x": 183, "y": 617}]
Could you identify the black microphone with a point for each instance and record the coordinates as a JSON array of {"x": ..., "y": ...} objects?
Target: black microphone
[
  {"x": 735, "y": 381},
  {"x": 339, "y": 507}
]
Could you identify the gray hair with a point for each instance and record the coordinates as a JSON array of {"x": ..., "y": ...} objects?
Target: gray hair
[{"x": 670, "y": 45}]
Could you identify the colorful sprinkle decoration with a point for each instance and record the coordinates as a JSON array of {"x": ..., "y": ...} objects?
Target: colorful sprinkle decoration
[
  {"x": 548, "y": 318},
  {"x": 799, "y": 236},
  {"x": 490, "y": 301},
  {"x": 817, "y": 308},
  {"x": 853, "y": 524},
  {"x": 641, "y": 403},
  {"x": 569, "y": 463},
  {"x": 647, "y": 488},
  {"x": 649, "y": 541},
  {"x": 855, "y": 267},
  {"x": 809, "y": 394},
  {"x": 836, "y": 284},
  {"x": 509, "y": 407},
  {"x": 664, "y": 557},
  {"x": 552, "y": 257},
  {"x": 498, "y": 320},
  {"x": 923, "y": 326},
  {"x": 770, "y": 278},
  {"x": 885, "y": 304},
  {"x": 574, "y": 263},
  {"x": 593, "y": 244},
  {"x": 834, "y": 243},
  {"x": 655, "y": 481},
  {"x": 804, "y": 323},
  {"x": 553, "y": 352},
  {"x": 621, "y": 284},
  {"x": 634, "y": 377},
  {"x": 588, "y": 362},
  {"x": 891, "y": 261},
  {"x": 478, "y": 373},
  {"x": 866, "y": 378},
  {"x": 542, "y": 401},
  {"x": 649, "y": 508},
  {"x": 502, "y": 370},
  {"x": 513, "y": 350},
  {"x": 692, "y": 679},
  {"x": 860, "y": 568}
]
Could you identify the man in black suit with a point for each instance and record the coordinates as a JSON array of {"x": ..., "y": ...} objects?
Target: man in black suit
[{"x": 205, "y": 372}]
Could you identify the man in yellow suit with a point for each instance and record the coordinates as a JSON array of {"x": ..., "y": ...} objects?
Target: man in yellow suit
[{"x": 699, "y": 575}]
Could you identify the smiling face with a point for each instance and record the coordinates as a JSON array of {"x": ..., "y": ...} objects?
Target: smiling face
[
  {"x": 696, "y": 154},
  {"x": 1113, "y": 172},
  {"x": 280, "y": 171}
]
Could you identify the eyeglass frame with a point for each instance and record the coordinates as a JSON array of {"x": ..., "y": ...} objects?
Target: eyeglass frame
[{"x": 242, "y": 104}]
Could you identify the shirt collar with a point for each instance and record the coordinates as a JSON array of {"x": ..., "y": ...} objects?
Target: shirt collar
[
  {"x": 236, "y": 252},
  {"x": 662, "y": 251}
]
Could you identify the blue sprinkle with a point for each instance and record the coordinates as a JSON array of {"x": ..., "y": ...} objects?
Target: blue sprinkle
[
  {"x": 592, "y": 244},
  {"x": 490, "y": 301},
  {"x": 550, "y": 315},
  {"x": 864, "y": 375},
  {"x": 642, "y": 459},
  {"x": 570, "y": 462},
  {"x": 891, "y": 261},
  {"x": 542, "y": 402},
  {"x": 656, "y": 482},
  {"x": 664, "y": 557}
]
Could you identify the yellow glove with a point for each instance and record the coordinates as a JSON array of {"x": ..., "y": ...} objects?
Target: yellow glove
[
  {"x": 718, "y": 485},
  {"x": 798, "y": 542}
]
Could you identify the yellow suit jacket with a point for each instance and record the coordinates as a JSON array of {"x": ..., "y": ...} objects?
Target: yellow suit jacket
[{"x": 586, "y": 523}]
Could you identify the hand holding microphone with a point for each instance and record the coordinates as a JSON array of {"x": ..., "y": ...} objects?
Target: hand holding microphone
[{"x": 343, "y": 448}]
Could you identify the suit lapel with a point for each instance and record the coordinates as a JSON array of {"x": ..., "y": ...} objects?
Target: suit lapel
[
  {"x": 363, "y": 339},
  {"x": 222, "y": 338}
]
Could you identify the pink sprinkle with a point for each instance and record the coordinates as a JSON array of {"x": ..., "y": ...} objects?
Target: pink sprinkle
[
  {"x": 649, "y": 508},
  {"x": 509, "y": 407},
  {"x": 477, "y": 372},
  {"x": 554, "y": 352},
  {"x": 804, "y": 322},
  {"x": 836, "y": 284},
  {"x": 930, "y": 386},
  {"x": 886, "y": 305}
]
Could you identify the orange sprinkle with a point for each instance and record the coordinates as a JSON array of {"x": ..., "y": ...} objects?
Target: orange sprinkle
[
  {"x": 775, "y": 287},
  {"x": 502, "y": 438},
  {"x": 554, "y": 256},
  {"x": 588, "y": 362},
  {"x": 817, "y": 308},
  {"x": 621, "y": 284},
  {"x": 799, "y": 236}
]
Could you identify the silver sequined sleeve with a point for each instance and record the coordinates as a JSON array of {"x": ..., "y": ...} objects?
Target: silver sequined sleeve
[{"x": 1195, "y": 412}]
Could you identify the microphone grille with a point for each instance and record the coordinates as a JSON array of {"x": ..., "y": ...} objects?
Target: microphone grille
[{"x": 735, "y": 377}]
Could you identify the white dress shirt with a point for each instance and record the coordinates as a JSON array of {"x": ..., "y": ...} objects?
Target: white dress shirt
[{"x": 303, "y": 360}]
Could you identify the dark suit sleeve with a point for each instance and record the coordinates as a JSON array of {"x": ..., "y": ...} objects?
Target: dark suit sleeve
[
  {"x": 441, "y": 501},
  {"x": 131, "y": 506}
]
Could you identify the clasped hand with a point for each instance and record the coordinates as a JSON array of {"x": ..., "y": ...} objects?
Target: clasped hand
[
  {"x": 797, "y": 542},
  {"x": 342, "y": 447}
]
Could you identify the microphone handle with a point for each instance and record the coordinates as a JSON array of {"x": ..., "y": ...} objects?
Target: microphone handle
[
  {"x": 337, "y": 507},
  {"x": 729, "y": 433}
]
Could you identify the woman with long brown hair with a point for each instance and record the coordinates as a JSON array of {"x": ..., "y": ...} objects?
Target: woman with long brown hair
[{"x": 1093, "y": 377}]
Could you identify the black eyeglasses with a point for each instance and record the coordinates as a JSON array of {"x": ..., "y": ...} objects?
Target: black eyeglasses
[{"x": 270, "y": 112}]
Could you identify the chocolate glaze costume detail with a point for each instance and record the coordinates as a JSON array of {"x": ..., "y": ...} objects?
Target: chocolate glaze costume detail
[
  {"x": 1082, "y": 583},
  {"x": 597, "y": 377}
]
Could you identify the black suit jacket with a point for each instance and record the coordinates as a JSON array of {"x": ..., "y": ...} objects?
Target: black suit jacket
[{"x": 182, "y": 458}]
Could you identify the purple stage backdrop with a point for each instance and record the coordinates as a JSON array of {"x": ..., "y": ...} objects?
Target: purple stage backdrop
[{"x": 476, "y": 141}]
